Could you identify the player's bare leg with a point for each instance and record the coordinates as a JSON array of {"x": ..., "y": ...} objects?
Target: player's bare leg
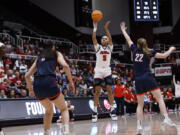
[
  {"x": 48, "y": 115},
  {"x": 96, "y": 96},
  {"x": 162, "y": 106},
  {"x": 96, "y": 102},
  {"x": 110, "y": 94},
  {"x": 60, "y": 104},
  {"x": 139, "y": 112},
  {"x": 111, "y": 101}
]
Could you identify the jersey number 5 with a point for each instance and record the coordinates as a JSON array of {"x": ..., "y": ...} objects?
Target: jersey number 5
[
  {"x": 139, "y": 58},
  {"x": 104, "y": 57}
]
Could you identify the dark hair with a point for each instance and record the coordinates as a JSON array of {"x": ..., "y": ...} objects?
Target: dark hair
[
  {"x": 48, "y": 53},
  {"x": 142, "y": 44}
]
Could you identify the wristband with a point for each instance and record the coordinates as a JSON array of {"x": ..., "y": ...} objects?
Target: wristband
[{"x": 95, "y": 29}]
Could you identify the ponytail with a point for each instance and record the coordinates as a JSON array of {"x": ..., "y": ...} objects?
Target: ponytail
[{"x": 142, "y": 44}]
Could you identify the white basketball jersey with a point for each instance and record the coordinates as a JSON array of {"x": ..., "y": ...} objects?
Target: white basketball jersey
[{"x": 103, "y": 56}]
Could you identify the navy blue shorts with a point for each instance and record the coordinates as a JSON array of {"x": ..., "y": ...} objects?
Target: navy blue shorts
[
  {"x": 46, "y": 87},
  {"x": 107, "y": 80},
  {"x": 145, "y": 83}
]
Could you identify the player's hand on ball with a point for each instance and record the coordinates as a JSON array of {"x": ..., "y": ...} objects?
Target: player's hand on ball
[
  {"x": 123, "y": 26},
  {"x": 71, "y": 86},
  {"x": 172, "y": 48},
  {"x": 107, "y": 24},
  {"x": 95, "y": 24}
]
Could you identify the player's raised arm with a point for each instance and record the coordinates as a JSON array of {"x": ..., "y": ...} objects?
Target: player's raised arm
[
  {"x": 126, "y": 36},
  {"x": 95, "y": 24},
  {"x": 66, "y": 68},
  {"x": 108, "y": 33},
  {"x": 165, "y": 54}
]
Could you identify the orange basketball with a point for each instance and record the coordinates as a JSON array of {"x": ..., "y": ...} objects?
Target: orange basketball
[{"x": 96, "y": 15}]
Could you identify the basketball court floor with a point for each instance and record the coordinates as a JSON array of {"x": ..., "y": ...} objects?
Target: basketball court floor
[{"x": 124, "y": 126}]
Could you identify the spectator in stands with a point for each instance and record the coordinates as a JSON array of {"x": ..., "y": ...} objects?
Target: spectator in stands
[
  {"x": 163, "y": 92},
  {"x": 77, "y": 93},
  {"x": 172, "y": 59},
  {"x": 71, "y": 110},
  {"x": 151, "y": 99},
  {"x": 8, "y": 61},
  {"x": 12, "y": 94},
  {"x": 127, "y": 97},
  {"x": 83, "y": 85},
  {"x": 17, "y": 64},
  {"x": 17, "y": 80},
  {"x": 170, "y": 99},
  {"x": 65, "y": 92},
  {"x": 5, "y": 84},
  {"x": 9, "y": 47},
  {"x": 84, "y": 93},
  {"x": 77, "y": 85},
  {"x": 23, "y": 67},
  {"x": 73, "y": 70},
  {"x": 119, "y": 90},
  {"x": 146, "y": 102},
  {"x": 23, "y": 93},
  {"x": 2, "y": 94},
  {"x": 6, "y": 69},
  {"x": 10, "y": 75}
]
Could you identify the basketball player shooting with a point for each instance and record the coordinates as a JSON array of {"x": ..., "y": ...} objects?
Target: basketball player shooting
[{"x": 102, "y": 69}]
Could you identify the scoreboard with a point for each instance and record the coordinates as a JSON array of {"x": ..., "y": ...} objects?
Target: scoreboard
[{"x": 146, "y": 10}]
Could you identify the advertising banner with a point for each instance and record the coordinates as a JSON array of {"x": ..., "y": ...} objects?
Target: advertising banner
[
  {"x": 30, "y": 108},
  {"x": 163, "y": 71}
]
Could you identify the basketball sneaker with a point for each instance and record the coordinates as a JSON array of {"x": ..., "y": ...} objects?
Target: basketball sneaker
[
  {"x": 169, "y": 122},
  {"x": 66, "y": 129},
  {"x": 94, "y": 117},
  {"x": 2, "y": 133},
  {"x": 139, "y": 130},
  {"x": 47, "y": 132},
  {"x": 113, "y": 115}
]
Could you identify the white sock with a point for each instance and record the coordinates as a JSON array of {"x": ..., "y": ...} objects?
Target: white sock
[
  {"x": 95, "y": 109},
  {"x": 66, "y": 128},
  {"x": 139, "y": 123},
  {"x": 47, "y": 132},
  {"x": 166, "y": 116},
  {"x": 112, "y": 108}
]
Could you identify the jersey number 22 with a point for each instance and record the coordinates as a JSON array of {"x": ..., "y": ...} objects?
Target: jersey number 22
[{"x": 139, "y": 57}]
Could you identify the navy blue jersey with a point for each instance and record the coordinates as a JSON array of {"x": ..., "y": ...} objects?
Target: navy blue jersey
[
  {"x": 141, "y": 60},
  {"x": 46, "y": 67}
]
